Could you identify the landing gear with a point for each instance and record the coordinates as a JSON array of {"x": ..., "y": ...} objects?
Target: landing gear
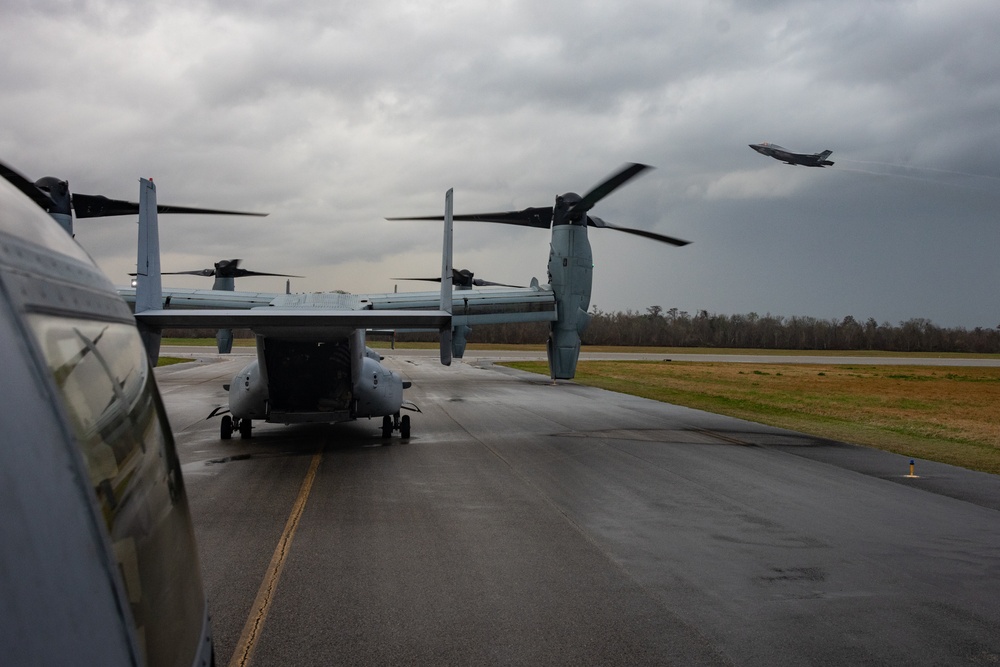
[
  {"x": 394, "y": 423},
  {"x": 230, "y": 424}
]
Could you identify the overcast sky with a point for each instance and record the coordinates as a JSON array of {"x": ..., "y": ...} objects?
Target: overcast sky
[{"x": 332, "y": 115}]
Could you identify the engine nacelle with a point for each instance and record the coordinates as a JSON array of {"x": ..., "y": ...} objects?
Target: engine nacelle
[
  {"x": 377, "y": 390},
  {"x": 248, "y": 393},
  {"x": 571, "y": 274},
  {"x": 459, "y": 338},
  {"x": 224, "y": 340}
]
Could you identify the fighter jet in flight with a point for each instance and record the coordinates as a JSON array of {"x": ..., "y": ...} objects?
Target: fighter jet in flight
[{"x": 779, "y": 153}]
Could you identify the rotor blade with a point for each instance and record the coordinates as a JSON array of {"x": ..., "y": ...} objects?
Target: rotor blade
[
  {"x": 529, "y": 217},
  {"x": 609, "y": 185},
  {"x": 464, "y": 278},
  {"x": 479, "y": 282},
  {"x": 203, "y": 272},
  {"x": 242, "y": 273},
  {"x": 597, "y": 222},
  {"x": 26, "y": 186},
  {"x": 96, "y": 206}
]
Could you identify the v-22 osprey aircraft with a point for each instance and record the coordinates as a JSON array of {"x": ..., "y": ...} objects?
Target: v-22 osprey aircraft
[{"x": 312, "y": 362}]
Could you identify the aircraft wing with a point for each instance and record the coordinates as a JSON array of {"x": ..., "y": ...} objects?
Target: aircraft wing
[
  {"x": 179, "y": 297},
  {"x": 477, "y": 306},
  {"x": 294, "y": 323},
  {"x": 469, "y": 306}
]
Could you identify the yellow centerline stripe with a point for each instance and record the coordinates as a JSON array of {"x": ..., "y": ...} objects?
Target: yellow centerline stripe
[{"x": 261, "y": 604}]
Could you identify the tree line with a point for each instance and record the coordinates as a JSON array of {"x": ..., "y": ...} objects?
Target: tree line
[{"x": 676, "y": 328}]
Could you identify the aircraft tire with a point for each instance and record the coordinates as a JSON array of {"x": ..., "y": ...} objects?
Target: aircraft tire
[
  {"x": 387, "y": 426},
  {"x": 226, "y": 428},
  {"x": 246, "y": 428},
  {"x": 404, "y": 427}
]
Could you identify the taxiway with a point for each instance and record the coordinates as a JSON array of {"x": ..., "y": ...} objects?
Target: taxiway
[{"x": 532, "y": 523}]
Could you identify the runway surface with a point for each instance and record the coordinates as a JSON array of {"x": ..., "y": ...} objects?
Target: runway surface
[{"x": 525, "y": 523}]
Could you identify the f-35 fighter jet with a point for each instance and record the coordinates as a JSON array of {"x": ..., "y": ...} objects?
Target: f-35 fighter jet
[{"x": 786, "y": 156}]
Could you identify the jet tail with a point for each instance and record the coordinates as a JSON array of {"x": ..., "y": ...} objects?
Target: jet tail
[
  {"x": 446, "y": 277},
  {"x": 822, "y": 158}
]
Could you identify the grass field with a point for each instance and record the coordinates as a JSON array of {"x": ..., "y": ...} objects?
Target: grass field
[
  {"x": 946, "y": 414},
  {"x": 666, "y": 351}
]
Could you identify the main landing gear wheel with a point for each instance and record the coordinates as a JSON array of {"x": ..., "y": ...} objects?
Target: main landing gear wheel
[
  {"x": 245, "y": 428},
  {"x": 390, "y": 424},
  {"x": 226, "y": 428}
]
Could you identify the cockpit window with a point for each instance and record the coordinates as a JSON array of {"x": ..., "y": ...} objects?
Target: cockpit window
[{"x": 109, "y": 396}]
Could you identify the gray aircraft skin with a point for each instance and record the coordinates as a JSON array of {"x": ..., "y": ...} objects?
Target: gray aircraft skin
[
  {"x": 98, "y": 564},
  {"x": 788, "y": 157}
]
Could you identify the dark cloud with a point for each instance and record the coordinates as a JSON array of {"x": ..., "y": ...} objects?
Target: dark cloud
[{"x": 334, "y": 115}]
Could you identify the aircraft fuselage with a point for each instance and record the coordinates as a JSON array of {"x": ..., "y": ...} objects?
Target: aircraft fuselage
[{"x": 300, "y": 380}]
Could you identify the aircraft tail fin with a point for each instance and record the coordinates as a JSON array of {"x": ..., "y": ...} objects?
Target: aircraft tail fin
[
  {"x": 823, "y": 158},
  {"x": 148, "y": 286},
  {"x": 446, "y": 277}
]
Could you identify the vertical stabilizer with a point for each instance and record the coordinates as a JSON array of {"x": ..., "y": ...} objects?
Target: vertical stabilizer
[
  {"x": 148, "y": 288},
  {"x": 446, "y": 277}
]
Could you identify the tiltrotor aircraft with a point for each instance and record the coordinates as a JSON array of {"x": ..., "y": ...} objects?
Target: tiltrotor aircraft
[
  {"x": 98, "y": 561},
  {"x": 312, "y": 362}
]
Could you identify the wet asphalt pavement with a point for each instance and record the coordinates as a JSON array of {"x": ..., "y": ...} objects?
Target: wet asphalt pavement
[{"x": 525, "y": 523}]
